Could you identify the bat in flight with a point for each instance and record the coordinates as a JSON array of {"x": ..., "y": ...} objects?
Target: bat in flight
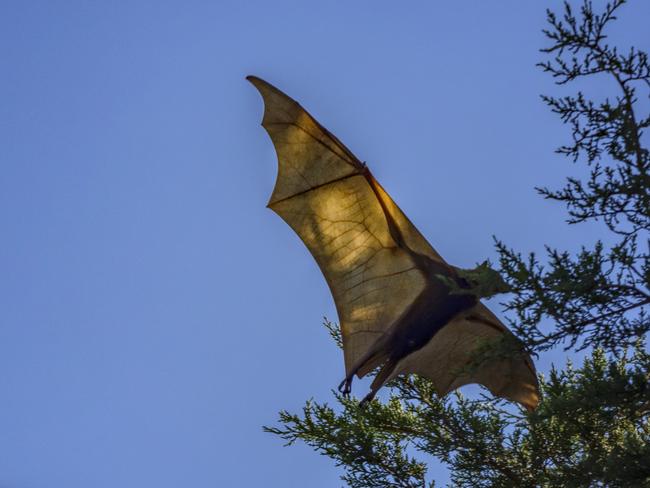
[{"x": 401, "y": 307}]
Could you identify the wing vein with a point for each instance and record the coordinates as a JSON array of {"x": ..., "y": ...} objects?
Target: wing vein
[
  {"x": 315, "y": 187},
  {"x": 343, "y": 156}
]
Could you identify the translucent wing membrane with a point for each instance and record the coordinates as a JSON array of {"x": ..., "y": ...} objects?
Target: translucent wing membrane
[
  {"x": 367, "y": 250},
  {"x": 323, "y": 193},
  {"x": 448, "y": 360}
]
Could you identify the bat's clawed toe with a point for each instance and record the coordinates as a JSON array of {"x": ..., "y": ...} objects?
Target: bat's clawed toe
[
  {"x": 366, "y": 400},
  {"x": 346, "y": 386}
]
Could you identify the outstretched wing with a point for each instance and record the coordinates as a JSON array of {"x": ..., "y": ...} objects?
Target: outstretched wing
[
  {"x": 340, "y": 212},
  {"x": 364, "y": 244}
]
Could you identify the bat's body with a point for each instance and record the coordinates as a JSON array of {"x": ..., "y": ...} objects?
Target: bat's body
[
  {"x": 432, "y": 310},
  {"x": 402, "y": 308}
]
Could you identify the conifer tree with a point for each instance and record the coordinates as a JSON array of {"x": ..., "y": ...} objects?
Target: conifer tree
[{"x": 592, "y": 427}]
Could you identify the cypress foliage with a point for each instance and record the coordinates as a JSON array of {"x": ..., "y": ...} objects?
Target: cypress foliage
[{"x": 592, "y": 427}]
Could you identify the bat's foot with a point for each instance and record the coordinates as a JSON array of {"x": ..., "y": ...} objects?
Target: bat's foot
[
  {"x": 346, "y": 386},
  {"x": 367, "y": 399}
]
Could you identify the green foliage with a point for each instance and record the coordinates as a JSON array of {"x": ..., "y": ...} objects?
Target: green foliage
[
  {"x": 592, "y": 427},
  {"x": 596, "y": 298}
]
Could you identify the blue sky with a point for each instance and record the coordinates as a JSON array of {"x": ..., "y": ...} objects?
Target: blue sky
[{"x": 153, "y": 313}]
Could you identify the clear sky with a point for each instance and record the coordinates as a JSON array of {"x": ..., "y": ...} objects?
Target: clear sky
[{"x": 153, "y": 313}]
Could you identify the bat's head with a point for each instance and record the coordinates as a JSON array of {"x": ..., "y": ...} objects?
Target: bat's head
[{"x": 484, "y": 281}]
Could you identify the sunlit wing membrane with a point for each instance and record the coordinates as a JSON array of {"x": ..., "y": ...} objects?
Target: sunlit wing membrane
[
  {"x": 323, "y": 194},
  {"x": 446, "y": 360},
  {"x": 364, "y": 245},
  {"x": 412, "y": 236}
]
